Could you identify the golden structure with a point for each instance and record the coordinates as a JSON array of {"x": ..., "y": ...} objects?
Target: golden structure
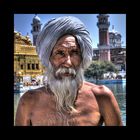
[{"x": 26, "y": 60}]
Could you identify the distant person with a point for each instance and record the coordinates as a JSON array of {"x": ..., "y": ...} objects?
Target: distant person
[{"x": 64, "y": 47}]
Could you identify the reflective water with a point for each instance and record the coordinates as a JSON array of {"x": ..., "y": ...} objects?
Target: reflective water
[
  {"x": 122, "y": 104},
  {"x": 16, "y": 100},
  {"x": 119, "y": 91}
]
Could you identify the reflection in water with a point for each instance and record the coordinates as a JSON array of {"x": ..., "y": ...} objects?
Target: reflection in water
[
  {"x": 117, "y": 88},
  {"x": 119, "y": 91},
  {"x": 16, "y": 100},
  {"x": 121, "y": 98}
]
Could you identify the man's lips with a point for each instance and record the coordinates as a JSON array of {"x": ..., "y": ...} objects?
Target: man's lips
[{"x": 67, "y": 74}]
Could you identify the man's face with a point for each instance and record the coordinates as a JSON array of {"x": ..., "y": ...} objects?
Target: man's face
[{"x": 66, "y": 54}]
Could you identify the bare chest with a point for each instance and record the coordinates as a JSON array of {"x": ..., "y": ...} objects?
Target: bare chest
[
  {"x": 84, "y": 118},
  {"x": 87, "y": 114}
]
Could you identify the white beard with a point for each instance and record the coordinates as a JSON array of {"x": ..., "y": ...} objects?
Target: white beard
[{"x": 64, "y": 88}]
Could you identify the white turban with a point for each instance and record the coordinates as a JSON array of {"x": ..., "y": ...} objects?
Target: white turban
[{"x": 56, "y": 28}]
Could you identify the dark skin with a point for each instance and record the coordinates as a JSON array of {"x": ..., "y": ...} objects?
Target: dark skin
[{"x": 94, "y": 104}]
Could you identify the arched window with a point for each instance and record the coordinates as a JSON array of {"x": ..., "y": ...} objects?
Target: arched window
[
  {"x": 37, "y": 66},
  {"x": 33, "y": 66},
  {"x": 21, "y": 66},
  {"x": 29, "y": 66}
]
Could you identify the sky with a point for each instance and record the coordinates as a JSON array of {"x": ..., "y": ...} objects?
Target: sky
[{"x": 22, "y": 23}]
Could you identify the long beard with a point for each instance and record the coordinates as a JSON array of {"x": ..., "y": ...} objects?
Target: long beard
[{"x": 64, "y": 88}]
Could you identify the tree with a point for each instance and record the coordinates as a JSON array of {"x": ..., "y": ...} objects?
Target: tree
[{"x": 98, "y": 68}]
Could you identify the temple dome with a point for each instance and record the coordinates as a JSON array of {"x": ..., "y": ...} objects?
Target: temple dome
[{"x": 36, "y": 19}]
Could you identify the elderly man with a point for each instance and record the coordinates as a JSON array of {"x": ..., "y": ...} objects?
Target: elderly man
[{"x": 64, "y": 48}]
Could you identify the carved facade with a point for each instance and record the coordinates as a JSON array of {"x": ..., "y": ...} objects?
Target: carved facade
[{"x": 26, "y": 61}]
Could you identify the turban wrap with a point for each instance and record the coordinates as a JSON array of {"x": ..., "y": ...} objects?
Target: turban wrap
[{"x": 55, "y": 29}]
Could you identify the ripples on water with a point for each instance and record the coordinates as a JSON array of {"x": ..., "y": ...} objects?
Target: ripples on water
[
  {"x": 119, "y": 91},
  {"x": 16, "y": 100},
  {"x": 121, "y": 98}
]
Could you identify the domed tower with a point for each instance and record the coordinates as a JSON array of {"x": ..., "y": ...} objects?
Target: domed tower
[
  {"x": 104, "y": 47},
  {"x": 115, "y": 38},
  {"x": 36, "y": 28}
]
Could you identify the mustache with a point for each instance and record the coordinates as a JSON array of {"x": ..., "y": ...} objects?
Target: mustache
[{"x": 65, "y": 70}]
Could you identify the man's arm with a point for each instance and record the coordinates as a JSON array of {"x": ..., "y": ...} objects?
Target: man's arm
[
  {"x": 22, "y": 114},
  {"x": 108, "y": 106}
]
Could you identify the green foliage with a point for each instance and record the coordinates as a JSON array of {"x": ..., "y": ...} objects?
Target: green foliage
[{"x": 98, "y": 68}]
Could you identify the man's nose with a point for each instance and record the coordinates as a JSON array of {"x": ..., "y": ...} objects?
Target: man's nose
[{"x": 67, "y": 62}]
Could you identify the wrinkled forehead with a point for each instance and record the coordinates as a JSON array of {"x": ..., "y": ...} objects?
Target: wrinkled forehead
[{"x": 67, "y": 41}]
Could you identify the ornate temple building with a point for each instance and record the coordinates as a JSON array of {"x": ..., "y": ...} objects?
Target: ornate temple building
[
  {"x": 110, "y": 45},
  {"x": 26, "y": 62}
]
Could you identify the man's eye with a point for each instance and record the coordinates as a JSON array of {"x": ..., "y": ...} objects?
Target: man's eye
[
  {"x": 75, "y": 52},
  {"x": 60, "y": 53}
]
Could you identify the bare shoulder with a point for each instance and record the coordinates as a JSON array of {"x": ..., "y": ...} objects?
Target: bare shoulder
[
  {"x": 27, "y": 104},
  {"x": 32, "y": 95},
  {"x": 100, "y": 90},
  {"x": 108, "y": 105}
]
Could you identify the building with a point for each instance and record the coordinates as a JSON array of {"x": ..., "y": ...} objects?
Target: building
[
  {"x": 110, "y": 45},
  {"x": 36, "y": 28},
  {"x": 26, "y": 61},
  {"x": 104, "y": 48},
  {"x": 114, "y": 39}
]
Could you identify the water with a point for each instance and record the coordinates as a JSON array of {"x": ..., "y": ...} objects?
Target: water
[
  {"x": 119, "y": 91},
  {"x": 16, "y": 100},
  {"x": 121, "y": 98}
]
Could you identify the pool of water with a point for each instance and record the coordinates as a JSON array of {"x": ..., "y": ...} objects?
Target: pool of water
[
  {"x": 119, "y": 91},
  {"x": 121, "y": 98}
]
